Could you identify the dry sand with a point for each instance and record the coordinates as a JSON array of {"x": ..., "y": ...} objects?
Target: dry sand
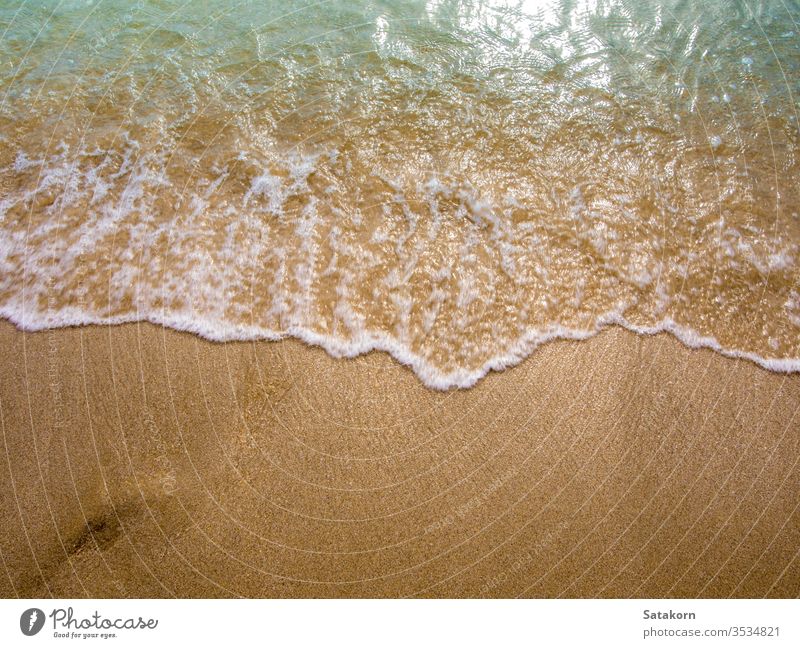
[{"x": 143, "y": 462}]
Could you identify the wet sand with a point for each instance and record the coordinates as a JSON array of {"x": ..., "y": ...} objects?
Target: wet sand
[{"x": 143, "y": 462}]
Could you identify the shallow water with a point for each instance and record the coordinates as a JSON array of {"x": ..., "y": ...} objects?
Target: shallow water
[{"x": 453, "y": 182}]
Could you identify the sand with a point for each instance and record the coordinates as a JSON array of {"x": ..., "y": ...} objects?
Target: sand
[{"x": 144, "y": 462}]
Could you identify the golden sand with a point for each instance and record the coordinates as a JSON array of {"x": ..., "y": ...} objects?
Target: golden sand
[{"x": 142, "y": 462}]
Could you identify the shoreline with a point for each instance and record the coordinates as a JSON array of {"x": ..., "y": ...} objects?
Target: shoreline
[
  {"x": 431, "y": 377},
  {"x": 142, "y": 461}
]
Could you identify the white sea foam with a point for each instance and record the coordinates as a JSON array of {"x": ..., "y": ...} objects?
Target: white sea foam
[
  {"x": 366, "y": 341},
  {"x": 120, "y": 204}
]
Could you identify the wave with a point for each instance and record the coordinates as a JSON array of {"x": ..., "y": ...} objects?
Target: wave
[
  {"x": 376, "y": 341},
  {"x": 452, "y": 183}
]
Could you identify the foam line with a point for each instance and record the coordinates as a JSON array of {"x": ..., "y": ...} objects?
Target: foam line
[{"x": 373, "y": 341}]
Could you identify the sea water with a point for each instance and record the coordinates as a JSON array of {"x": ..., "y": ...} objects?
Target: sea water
[{"x": 451, "y": 181}]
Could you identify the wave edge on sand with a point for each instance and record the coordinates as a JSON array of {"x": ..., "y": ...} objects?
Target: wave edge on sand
[{"x": 374, "y": 341}]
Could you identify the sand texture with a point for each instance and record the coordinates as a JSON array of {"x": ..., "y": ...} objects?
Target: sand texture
[{"x": 143, "y": 462}]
